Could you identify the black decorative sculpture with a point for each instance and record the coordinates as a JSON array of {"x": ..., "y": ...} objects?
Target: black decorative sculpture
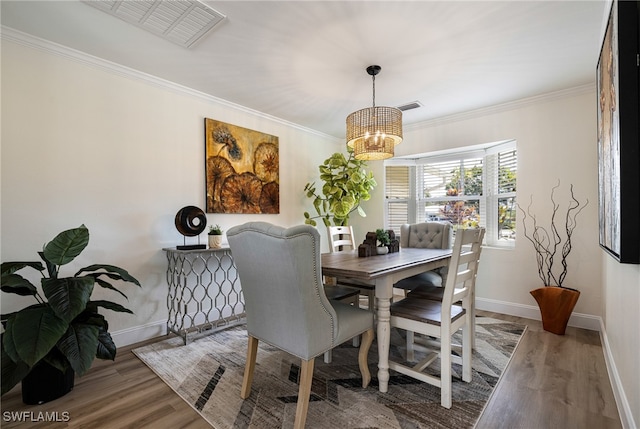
[{"x": 191, "y": 221}]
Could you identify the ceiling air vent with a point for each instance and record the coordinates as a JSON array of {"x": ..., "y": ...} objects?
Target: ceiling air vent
[
  {"x": 409, "y": 106},
  {"x": 183, "y": 22}
]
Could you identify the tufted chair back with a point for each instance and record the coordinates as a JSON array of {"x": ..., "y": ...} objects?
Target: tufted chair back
[
  {"x": 429, "y": 235},
  {"x": 285, "y": 302}
]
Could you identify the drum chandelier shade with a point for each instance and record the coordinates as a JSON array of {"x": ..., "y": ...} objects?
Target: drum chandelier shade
[{"x": 374, "y": 131}]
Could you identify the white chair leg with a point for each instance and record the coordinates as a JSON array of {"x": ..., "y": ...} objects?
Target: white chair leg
[
  {"x": 466, "y": 352},
  {"x": 445, "y": 371},
  {"x": 327, "y": 356},
  {"x": 410, "y": 350}
]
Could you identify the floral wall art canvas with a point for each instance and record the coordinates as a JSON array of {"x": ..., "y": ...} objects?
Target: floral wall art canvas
[{"x": 242, "y": 169}]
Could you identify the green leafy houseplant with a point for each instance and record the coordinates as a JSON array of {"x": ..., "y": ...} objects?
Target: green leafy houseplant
[
  {"x": 215, "y": 230},
  {"x": 64, "y": 328},
  {"x": 346, "y": 184}
]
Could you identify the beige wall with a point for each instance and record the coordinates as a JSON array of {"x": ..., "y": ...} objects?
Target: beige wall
[{"x": 85, "y": 144}]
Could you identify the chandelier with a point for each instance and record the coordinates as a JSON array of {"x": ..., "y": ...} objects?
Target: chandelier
[{"x": 373, "y": 132}]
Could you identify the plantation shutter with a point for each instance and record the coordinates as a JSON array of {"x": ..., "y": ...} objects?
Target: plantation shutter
[{"x": 397, "y": 193}]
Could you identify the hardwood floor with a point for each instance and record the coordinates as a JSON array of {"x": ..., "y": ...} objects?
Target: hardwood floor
[{"x": 552, "y": 382}]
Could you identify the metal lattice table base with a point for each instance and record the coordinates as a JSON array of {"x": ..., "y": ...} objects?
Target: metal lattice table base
[{"x": 204, "y": 292}]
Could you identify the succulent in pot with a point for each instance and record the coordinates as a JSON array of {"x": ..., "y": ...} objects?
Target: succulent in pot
[
  {"x": 63, "y": 328},
  {"x": 215, "y": 236},
  {"x": 215, "y": 230}
]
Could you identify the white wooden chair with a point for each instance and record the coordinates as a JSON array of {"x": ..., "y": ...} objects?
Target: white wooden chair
[
  {"x": 342, "y": 238},
  {"x": 442, "y": 319},
  {"x": 430, "y": 291}
]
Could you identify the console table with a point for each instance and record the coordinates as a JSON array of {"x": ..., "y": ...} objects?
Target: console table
[{"x": 204, "y": 293}]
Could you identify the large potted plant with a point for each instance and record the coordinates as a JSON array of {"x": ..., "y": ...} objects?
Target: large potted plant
[
  {"x": 63, "y": 332},
  {"x": 556, "y": 301},
  {"x": 346, "y": 184}
]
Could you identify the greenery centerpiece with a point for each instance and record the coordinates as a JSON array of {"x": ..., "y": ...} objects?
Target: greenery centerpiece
[
  {"x": 346, "y": 185},
  {"x": 383, "y": 239},
  {"x": 555, "y": 300},
  {"x": 63, "y": 328}
]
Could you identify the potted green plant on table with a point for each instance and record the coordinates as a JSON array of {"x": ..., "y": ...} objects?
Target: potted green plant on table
[
  {"x": 215, "y": 236},
  {"x": 556, "y": 301},
  {"x": 383, "y": 241},
  {"x": 45, "y": 344},
  {"x": 346, "y": 185}
]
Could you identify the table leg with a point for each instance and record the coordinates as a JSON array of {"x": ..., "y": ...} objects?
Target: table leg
[{"x": 384, "y": 292}]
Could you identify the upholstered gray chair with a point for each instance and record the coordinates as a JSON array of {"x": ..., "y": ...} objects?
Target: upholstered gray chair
[
  {"x": 285, "y": 302},
  {"x": 425, "y": 235}
]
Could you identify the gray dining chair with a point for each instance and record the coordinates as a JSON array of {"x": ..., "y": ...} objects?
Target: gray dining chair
[
  {"x": 285, "y": 302},
  {"x": 424, "y": 235}
]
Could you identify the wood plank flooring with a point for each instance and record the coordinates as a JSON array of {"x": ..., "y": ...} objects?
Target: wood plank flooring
[{"x": 552, "y": 382}]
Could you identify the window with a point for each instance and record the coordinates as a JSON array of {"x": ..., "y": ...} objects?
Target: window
[{"x": 467, "y": 188}]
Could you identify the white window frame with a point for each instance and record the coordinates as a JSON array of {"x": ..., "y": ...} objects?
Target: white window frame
[{"x": 488, "y": 201}]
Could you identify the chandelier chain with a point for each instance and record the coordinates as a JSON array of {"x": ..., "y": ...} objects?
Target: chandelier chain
[{"x": 374, "y": 90}]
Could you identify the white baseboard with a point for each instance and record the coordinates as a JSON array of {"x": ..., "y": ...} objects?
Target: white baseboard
[
  {"x": 624, "y": 409},
  {"x": 578, "y": 320},
  {"x": 136, "y": 334}
]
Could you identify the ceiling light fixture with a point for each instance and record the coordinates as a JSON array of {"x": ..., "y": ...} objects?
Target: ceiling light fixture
[{"x": 373, "y": 132}]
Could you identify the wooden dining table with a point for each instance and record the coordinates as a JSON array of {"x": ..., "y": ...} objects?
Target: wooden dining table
[{"x": 383, "y": 271}]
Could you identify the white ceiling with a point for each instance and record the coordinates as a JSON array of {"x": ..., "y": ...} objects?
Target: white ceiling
[{"x": 305, "y": 61}]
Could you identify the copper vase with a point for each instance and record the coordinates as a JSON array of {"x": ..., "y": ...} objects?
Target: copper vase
[{"x": 556, "y": 305}]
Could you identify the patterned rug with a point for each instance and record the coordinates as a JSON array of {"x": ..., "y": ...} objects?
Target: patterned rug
[{"x": 207, "y": 374}]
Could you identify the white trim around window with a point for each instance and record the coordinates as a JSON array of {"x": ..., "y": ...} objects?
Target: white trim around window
[{"x": 473, "y": 186}]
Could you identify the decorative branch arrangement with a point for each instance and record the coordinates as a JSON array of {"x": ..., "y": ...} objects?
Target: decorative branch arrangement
[{"x": 548, "y": 242}]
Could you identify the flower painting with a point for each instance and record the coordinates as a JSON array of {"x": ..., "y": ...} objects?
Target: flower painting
[{"x": 242, "y": 169}]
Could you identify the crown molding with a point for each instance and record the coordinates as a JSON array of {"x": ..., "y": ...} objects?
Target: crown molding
[
  {"x": 33, "y": 42},
  {"x": 21, "y": 38},
  {"x": 503, "y": 107}
]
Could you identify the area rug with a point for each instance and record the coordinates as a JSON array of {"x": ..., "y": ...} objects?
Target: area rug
[{"x": 207, "y": 374}]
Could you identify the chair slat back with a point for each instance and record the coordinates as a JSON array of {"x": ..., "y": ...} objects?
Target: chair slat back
[
  {"x": 340, "y": 236},
  {"x": 463, "y": 266}
]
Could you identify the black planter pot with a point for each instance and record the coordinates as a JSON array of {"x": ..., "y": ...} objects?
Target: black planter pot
[{"x": 45, "y": 383}]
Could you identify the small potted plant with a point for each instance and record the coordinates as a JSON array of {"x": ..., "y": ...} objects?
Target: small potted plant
[
  {"x": 45, "y": 344},
  {"x": 215, "y": 237},
  {"x": 383, "y": 241}
]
